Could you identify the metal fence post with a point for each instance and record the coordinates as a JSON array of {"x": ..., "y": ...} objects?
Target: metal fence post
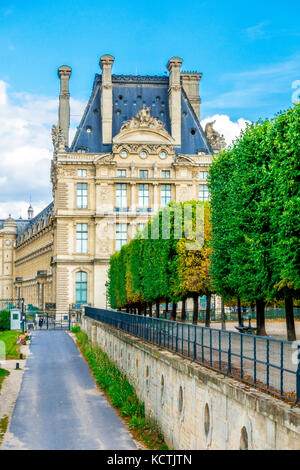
[
  {"x": 195, "y": 342},
  {"x": 298, "y": 377},
  {"x": 229, "y": 354}
]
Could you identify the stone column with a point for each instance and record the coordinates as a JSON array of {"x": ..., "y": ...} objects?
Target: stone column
[
  {"x": 106, "y": 63},
  {"x": 133, "y": 203},
  {"x": 155, "y": 198},
  {"x": 173, "y": 66},
  {"x": 64, "y": 73}
]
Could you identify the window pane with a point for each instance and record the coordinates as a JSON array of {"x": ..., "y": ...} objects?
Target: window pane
[
  {"x": 82, "y": 173},
  {"x": 81, "y": 287},
  {"x": 121, "y": 235},
  {"x": 165, "y": 174},
  {"x": 165, "y": 194},
  {"x": 203, "y": 192},
  {"x": 121, "y": 195},
  {"x": 143, "y": 196},
  {"x": 81, "y": 238},
  {"x": 203, "y": 175},
  {"x": 121, "y": 173},
  {"x": 82, "y": 195},
  {"x": 143, "y": 173}
]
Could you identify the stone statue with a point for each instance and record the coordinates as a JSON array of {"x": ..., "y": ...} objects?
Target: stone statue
[
  {"x": 216, "y": 140},
  {"x": 143, "y": 119},
  {"x": 58, "y": 139}
]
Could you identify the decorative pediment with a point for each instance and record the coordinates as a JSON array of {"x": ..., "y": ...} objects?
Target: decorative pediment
[
  {"x": 108, "y": 158},
  {"x": 143, "y": 128},
  {"x": 184, "y": 160}
]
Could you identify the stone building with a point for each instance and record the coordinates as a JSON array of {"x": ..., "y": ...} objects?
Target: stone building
[{"x": 139, "y": 146}]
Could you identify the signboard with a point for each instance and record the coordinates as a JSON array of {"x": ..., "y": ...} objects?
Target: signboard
[{"x": 15, "y": 319}]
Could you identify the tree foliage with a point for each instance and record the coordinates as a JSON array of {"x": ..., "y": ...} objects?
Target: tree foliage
[{"x": 255, "y": 201}]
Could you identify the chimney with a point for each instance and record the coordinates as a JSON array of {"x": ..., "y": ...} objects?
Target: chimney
[
  {"x": 64, "y": 73},
  {"x": 173, "y": 66},
  {"x": 190, "y": 82},
  {"x": 106, "y": 63}
]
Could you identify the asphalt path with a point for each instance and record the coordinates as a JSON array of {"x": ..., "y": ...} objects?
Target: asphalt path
[{"x": 59, "y": 406}]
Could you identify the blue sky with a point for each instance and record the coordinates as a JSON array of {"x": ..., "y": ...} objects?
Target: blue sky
[{"x": 248, "y": 53}]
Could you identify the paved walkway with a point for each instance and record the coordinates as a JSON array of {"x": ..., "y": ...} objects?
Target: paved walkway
[{"x": 59, "y": 405}]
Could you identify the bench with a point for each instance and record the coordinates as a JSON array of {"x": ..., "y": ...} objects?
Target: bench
[{"x": 246, "y": 329}]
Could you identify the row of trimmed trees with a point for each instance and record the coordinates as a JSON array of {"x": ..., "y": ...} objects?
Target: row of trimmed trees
[
  {"x": 251, "y": 250},
  {"x": 255, "y": 216},
  {"x": 166, "y": 262}
]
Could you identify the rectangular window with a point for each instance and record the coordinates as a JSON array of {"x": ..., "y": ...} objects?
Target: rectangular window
[
  {"x": 121, "y": 173},
  {"x": 81, "y": 173},
  {"x": 121, "y": 235},
  {"x": 144, "y": 174},
  {"x": 81, "y": 238},
  {"x": 81, "y": 287},
  {"x": 121, "y": 195},
  {"x": 141, "y": 227},
  {"x": 203, "y": 192},
  {"x": 165, "y": 194},
  {"x": 82, "y": 196},
  {"x": 165, "y": 174},
  {"x": 203, "y": 175},
  {"x": 143, "y": 196}
]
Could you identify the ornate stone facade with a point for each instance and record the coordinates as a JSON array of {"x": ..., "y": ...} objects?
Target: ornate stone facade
[{"x": 139, "y": 145}]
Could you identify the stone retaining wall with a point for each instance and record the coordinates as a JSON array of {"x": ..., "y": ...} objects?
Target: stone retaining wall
[{"x": 195, "y": 407}]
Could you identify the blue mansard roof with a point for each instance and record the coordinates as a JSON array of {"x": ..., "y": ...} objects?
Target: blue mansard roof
[
  {"x": 23, "y": 224},
  {"x": 130, "y": 94}
]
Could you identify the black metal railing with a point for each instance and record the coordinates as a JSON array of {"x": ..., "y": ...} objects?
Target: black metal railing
[{"x": 270, "y": 364}]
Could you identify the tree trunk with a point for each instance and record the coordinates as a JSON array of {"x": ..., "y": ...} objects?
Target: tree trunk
[
  {"x": 195, "y": 308},
  {"x": 223, "y": 317},
  {"x": 157, "y": 309},
  {"x": 167, "y": 310},
  {"x": 174, "y": 311},
  {"x": 260, "y": 318},
  {"x": 139, "y": 309},
  {"x": 208, "y": 307},
  {"x": 183, "y": 310},
  {"x": 150, "y": 309},
  {"x": 145, "y": 310},
  {"x": 240, "y": 319},
  {"x": 127, "y": 310},
  {"x": 290, "y": 323}
]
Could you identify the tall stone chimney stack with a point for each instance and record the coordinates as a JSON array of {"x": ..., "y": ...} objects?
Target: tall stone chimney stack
[
  {"x": 173, "y": 66},
  {"x": 106, "y": 63},
  {"x": 64, "y": 73},
  {"x": 190, "y": 83}
]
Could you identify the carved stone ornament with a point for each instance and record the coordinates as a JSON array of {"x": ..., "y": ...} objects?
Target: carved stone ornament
[
  {"x": 107, "y": 159},
  {"x": 143, "y": 128},
  {"x": 216, "y": 140},
  {"x": 183, "y": 160},
  {"x": 143, "y": 119},
  {"x": 58, "y": 139}
]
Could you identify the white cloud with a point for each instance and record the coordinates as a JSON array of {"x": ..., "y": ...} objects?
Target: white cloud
[
  {"x": 230, "y": 129},
  {"x": 26, "y": 149},
  {"x": 256, "y": 88}
]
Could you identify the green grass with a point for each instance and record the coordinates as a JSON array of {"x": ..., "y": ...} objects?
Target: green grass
[
  {"x": 3, "y": 373},
  {"x": 121, "y": 394},
  {"x": 10, "y": 340},
  {"x": 3, "y": 427}
]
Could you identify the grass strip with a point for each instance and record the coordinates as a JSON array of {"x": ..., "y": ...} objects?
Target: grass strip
[
  {"x": 12, "y": 349},
  {"x": 3, "y": 373},
  {"x": 120, "y": 393},
  {"x": 3, "y": 427}
]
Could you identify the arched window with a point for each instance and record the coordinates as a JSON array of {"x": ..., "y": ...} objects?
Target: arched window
[{"x": 81, "y": 287}]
